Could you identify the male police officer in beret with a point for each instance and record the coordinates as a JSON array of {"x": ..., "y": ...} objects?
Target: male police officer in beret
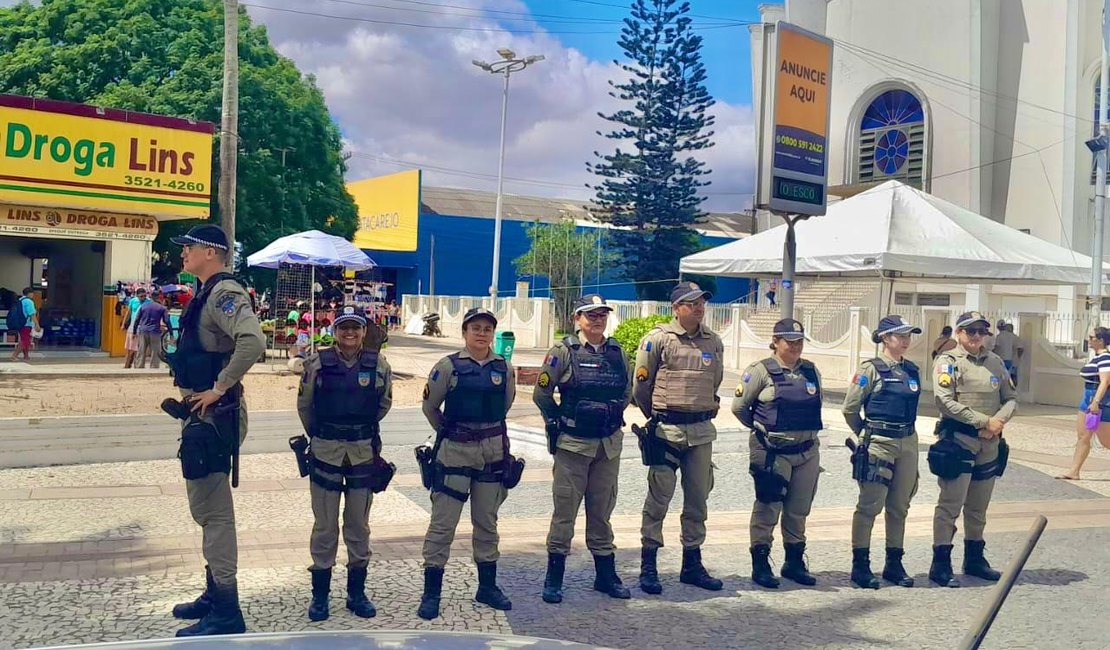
[
  {"x": 346, "y": 390},
  {"x": 591, "y": 374},
  {"x": 678, "y": 370},
  {"x": 220, "y": 340},
  {"x": 976, "y": 399}
]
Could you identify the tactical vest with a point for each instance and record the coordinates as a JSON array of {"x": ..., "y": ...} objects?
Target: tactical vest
[
  {"x": 977, "y": 386},
  {"x": 345, "y": 400},
  {"x": 898, "y": 393},
  {"x": 479, "y": 392},
  {"x": 686, "y": 378},
  {"x": 193, "y": 367},
  {"x": 593, "y": 396},
  {"x": 797, "y": 402}
]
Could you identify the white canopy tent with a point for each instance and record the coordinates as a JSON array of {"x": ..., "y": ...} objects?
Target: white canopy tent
[{"x": 896, "y": 231}]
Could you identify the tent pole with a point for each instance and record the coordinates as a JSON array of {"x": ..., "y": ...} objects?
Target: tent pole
[{"x": 312, "y": 309}]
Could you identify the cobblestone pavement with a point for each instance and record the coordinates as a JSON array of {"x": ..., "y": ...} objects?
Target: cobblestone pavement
[{"x": 101, "y": 552}]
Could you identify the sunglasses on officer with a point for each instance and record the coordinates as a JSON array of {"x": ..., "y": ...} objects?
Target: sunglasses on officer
[
  {"x": 977, "y": 331},
  {"x": 595, "y": 315}
]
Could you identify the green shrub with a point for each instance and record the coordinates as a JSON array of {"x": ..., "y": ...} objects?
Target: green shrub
[{"x": 630, "y": 332}]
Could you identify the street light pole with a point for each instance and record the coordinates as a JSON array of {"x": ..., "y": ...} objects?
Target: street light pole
[
  {"x": 508, "y": 64},
  {"x": 1095, "y": 298}
]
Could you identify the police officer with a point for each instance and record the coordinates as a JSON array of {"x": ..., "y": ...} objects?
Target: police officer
[
  {"x": 976, "y": 399},
  {"x": 220, "y": 340},
  {"x": 884, "y": 461},
  {"x": 475, "y": 389},
  {"x": 584, "y": 433},
  {"x": 779, "y": 399},
  {"x": 345, "y": 391},
  {"x": 679, "y": 368}
]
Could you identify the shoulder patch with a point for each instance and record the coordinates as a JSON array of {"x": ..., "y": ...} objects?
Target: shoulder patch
[
  {"x": 435, "y": 374},
  {"x": 860, "y": 380},
  {"x": 646, "y": 347},
  {"x": 226, "y": 303},
  {"x": 944, "y": 379},
  {"x": 746, "y": 377},
  {"x": 740, "y": 389},
  {"x": 641, "y": 373},
  {"x": 544, "y": 380},
  {"x": 427, "y": 391}
]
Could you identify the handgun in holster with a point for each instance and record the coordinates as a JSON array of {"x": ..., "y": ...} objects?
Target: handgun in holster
[
  {"x": 861, "y": 458},
  {"x": 552, "y": 430},
  {"x": 299, "y": 445},
  {"x": 225, "y": 415}
]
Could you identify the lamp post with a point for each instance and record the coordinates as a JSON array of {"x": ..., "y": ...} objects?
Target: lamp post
[{"x": 508, "y": 64}]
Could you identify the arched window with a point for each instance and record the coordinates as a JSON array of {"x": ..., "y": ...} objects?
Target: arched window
[{"x": 892, "y": 139}]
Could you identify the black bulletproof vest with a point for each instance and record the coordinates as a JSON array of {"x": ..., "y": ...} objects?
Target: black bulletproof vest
[
  {"x": 896, "y": 399},
  {"x": 797, "y": 402},
  {"x": 193, "y": 367},
  {"x": 479, "y": 392},
  {"x": 593, "y": 396},
  {"x": 346, "y": 395}
]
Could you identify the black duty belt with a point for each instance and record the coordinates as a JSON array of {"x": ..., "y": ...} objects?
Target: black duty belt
[
  {"x": 455, "y": 434},
  {"x": 948, "y": 425},
  {"x": 782, "y": 450},
  {"x": 346, "y": 432},
  {"x": 682, "y": 417},
  {"x": 890, "y": 429}
]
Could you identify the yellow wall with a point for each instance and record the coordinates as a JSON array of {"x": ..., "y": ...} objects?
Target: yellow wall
[{"x": 388, "y": 211}]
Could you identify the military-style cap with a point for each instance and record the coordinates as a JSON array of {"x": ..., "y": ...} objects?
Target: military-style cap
[
  {"x": 969, "y": 318},
  {"x": 203, "y": 235},
  {"x": 894, "y": 324},
  {"x": 590, "y": 302},
  {"x": 688, "y": 292},
  {"x": 350, "y": 313},
  {"x": 789, "y": 329},
  {"x": 479, "y": 312}
]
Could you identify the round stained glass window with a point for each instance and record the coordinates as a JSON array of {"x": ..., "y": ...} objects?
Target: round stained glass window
[{"x": 892, "y": 149}]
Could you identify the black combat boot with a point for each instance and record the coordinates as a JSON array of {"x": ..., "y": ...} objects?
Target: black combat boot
[
  {"x": 357, "y": 601},
  {"x": 694, "y": 573},
  {"x": 940, "y": 571},
  {"x": 200, "y": 607},
  {"x": 321, "y": 586},
  {"x": 893, "y": 571},
  {"x": 488, "y": 592},
  {"x": 861, "y": 569},
  {"x": 649, "y": 575},
  {"x": 607, "y": 580},
  {"x": 225, "y": 617},
  {"x": 553, "y": 581},
  {"x": 762, "y": 574},
  {"x": 433, "y": 587},
  {"x": 975, "y": 563},
  {"x": 794, "y": 567}
]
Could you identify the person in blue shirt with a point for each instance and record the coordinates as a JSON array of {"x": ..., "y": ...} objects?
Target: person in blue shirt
[{"x": 30, "y": 321}]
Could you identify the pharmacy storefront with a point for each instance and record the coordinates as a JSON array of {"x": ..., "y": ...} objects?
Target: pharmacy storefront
[{"x": 83, "y": 190}]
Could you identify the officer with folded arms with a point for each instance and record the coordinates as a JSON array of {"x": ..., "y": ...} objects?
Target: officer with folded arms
[
  {"x": 345, "y": 392},
  {"x": 779, "y": 399},
  {"x": 591, "y": 374},
  {"x": 679, "y": 368},
  {"x": 976, "y": 399},
  {"x": 466, "y": 399},
  {"x": 884, "y": 460},
  {"x": 220, "y": 340}
]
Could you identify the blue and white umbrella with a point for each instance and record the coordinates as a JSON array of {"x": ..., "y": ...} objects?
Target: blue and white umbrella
[{"x": 313, "y": 248}]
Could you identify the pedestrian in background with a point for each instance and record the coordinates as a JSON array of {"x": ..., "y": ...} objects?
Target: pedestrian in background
[
  {"x": 779, "y": 399},
  {"x": 944, "y": 342},
  {"x": 679, "y": 368},
  {"x": 1008, "y": 347},
  {"x": 887, "y": 389},
  {"x": 772, "y": 291},
  {"x": 1095, "y": 401},
  {"x": 131, "y": 342},
  {"x": 23, "y": 319},
  {"x": 149, "y": 323},
  {"x": 584, "y": 434}
]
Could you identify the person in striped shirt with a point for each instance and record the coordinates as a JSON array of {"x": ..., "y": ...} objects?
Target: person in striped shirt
[{"x": 1096, "y": 401}]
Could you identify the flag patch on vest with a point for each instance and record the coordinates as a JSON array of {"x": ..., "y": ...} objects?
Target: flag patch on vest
[
  {"x": 641, "y": 374},
  {"x": 226, "y": 304},
  {"x": 706, "y": 359},
  {"x": 913, "y": 385},
  {"x": 364, "y": 379},
  {"x": 544, "y": 380},
  {"x": 994, "y": 381},
  {"x": 811, "y": 388}
]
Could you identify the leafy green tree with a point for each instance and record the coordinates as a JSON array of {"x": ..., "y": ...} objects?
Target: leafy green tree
[
  {"x": 565, "y": 257},
  {"x": 649, "y": 183},
  {"x": 166, "y": 57},
  {"x": 630, "y": 332}
]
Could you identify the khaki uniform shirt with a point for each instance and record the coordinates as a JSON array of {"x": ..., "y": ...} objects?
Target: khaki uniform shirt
[
  {"x": 334, "y": 452},
  {"x": 228, "y": 324},
  {"x": 972, "y": 388},
  {"x": 853, "y": 399},
  {"x": 691, "y": 367},
  {"x": 557, "y": 367},
  {"x": 442, "y": 379},
  {"x": 756, "y": 385},
  {"x": 1005, "y": 344}
]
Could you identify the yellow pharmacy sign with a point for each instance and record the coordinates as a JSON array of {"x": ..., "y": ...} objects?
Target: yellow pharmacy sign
[
  {"x": 78, "y": 157},
  {"x": 388, "y": 211}
]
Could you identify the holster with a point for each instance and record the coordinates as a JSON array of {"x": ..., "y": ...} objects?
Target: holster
[
  {"x": 1003, "y": 456},
  {"x": 552, "y": 430},
  {"x": 769, "y": 486},
  {"x": 860, "y": 459},
  {"x": 299, "y": 445},
  {"x": 425, "y": 461},
  {"x": 655, "y": 451},
  {"x": 948, "y": 460},
  {"x": 225, "y": 415},
  {"x": 202, "y": 451},
  {"x": 374, "y": 476},
  {"x": 514, "y": 470}
]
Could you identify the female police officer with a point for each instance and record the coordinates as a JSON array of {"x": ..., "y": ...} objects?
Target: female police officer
[
  {"x": 346, "y": 390},
  {"x": 470, "y": 459},
  {"x": 885, "y": 460},
  {"x": 779, "y": 399}
]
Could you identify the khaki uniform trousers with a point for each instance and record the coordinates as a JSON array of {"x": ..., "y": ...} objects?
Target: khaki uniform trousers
[
  {"x": 903, "y": 452},
  {"x": 595, "y": 478},
  {"x": 324, "y": 541},
  {"x": 212, "y": 508},
  {"x": 801, "y": 471},
  {"x": 696, "y": 466},
  {"x": 485, "y": 500},
  {"x": 972, "y": 497}
]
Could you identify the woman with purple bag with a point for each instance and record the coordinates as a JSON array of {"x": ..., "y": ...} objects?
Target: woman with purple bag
[{"x": 1094, "y": 409}]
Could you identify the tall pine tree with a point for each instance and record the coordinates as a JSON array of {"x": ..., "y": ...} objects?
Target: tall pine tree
[{"x": 649, "y": 183}]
